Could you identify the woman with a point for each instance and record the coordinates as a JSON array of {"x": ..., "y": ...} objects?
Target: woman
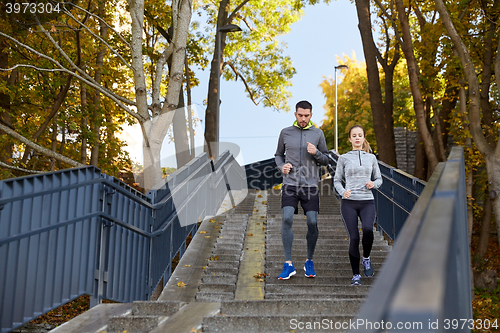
[{"x": 359, "y": 169}]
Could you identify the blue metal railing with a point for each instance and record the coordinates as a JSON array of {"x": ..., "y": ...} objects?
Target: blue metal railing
[
  {"x": 425, "y": 283},
  {"x": 394, "y": 199},
  {"x": 74, "y": 232}
]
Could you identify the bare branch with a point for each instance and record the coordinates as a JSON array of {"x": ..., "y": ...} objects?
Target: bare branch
[
  {"x": 40, "y": 149},
  {"x": 235, "y": 11},
  {"x": 100, "y": 19},
  {"x": 116, "y": 98},
  {"x": 101, "y": 40},
  {"x": 33, "y": 67},
  {"x": 19, "y": 169}
]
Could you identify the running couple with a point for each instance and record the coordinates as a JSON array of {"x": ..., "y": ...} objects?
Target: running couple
[{"x": 301, "y": 147}]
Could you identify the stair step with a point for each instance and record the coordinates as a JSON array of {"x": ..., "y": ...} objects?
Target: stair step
[
  {"x": 290, "y": 307},
  {"x": 271, "y": 323},
  {"x": 148, "y": 308},
  {"x": 327, "y": 290},
  {"x": 137, "y": 324}
]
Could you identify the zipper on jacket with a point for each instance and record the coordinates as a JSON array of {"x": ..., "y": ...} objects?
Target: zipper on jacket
[{"x": 359, "y": 155}]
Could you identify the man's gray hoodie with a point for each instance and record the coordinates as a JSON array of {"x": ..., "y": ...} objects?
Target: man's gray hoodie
[
  {"x": 292, "y": 148},
  {"x": 357, "y": 168}
]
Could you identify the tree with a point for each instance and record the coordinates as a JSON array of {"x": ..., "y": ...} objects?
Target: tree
[
  {"x": 489, "y": 150},
  {"x": 149, "y": 103},
  {"x": 253, "y": 56},
  {"x": 383, "y": 122}
]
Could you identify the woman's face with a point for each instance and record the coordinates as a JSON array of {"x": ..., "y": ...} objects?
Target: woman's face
[{"x": 357, "y": 138}]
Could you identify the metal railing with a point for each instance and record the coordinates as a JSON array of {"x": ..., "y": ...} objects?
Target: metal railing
[
  {"x": 425, "y": 283},
  {"x": 75, "y": 232},
  {"x": 263, "y": 175},
  {"x": 394, "y": 199}
]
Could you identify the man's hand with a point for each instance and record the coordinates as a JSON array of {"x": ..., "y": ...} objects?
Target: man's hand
[
  {"x": 311, "y": 149},
  {"x": 370, "y": 185},
  {"x": 347, "y": 194},
  {"x": 286, "y": 168}
]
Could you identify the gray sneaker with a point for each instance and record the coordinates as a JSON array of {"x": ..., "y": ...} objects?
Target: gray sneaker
[
  {"x": 368, "y": 269},
  {"x": 356, "y": 280}
]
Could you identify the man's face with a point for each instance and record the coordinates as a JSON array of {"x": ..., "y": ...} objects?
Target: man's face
[{"x": 303, "y": 117}]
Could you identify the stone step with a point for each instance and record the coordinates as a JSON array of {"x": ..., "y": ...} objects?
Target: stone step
[
  {"x": 327, "y": 290},
  {"x": 300, "y": 279},
  {"x": 297, "y": 246},
  {"x": 320, "y": 269},
  {"x": 217, "y": 288},
  {"x": 214, "y": 279},
  {"x": 213, "y": 297},
  {"x": 346, "y": 272},
  {"x": 290, "y": 307},
  {"x": 138, "y": 324},
  {"x": 284, "y": 323}
]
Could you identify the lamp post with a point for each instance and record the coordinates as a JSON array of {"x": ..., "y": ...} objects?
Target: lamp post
[
  {"x": 336, "y": 120},
  {"x": 224, "y": 29}
]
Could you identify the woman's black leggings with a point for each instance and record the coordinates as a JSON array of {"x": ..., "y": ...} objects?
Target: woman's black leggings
[{"x": 365, "y": 210}]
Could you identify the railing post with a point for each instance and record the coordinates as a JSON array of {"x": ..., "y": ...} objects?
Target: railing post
[{"x": 102, "y": 252}]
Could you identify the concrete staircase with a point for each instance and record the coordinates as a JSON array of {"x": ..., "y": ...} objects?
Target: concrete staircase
[{"x": 230, "y": 274}]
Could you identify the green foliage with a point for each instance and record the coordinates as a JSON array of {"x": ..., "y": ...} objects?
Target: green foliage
[
  {"x": 354, "y": 107},
  {"x": 255, "y": 55}
]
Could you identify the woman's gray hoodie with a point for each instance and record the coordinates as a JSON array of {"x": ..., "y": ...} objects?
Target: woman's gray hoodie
[{"x": 357, "y": 168}]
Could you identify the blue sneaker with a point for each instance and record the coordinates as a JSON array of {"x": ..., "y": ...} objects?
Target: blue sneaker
[
  {"x": 356, "y": 280},
  {"x": 288, "y": 271},
  {"x": 309, "y": 268},
  {"x": 368, "y": 268}
]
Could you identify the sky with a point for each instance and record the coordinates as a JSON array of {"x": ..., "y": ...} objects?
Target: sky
[{"x": 325, "y": 33}]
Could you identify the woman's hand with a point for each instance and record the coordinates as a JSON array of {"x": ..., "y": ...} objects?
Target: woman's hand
[
  {"x": 347, "y": 194},
  {"x": 370, "y": 185}
]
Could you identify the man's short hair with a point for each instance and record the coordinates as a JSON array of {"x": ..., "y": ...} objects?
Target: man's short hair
[{"x": 303, "y": 105}]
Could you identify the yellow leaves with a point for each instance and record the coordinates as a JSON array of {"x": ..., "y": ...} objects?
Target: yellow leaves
[
  {"x": 203, "y": 232},
  {"x": 212, "y": 258},
  {"x": 187, "y": 265},
  {"x": 181, "y": 284},
  {"x": 207, "y": 236},
  {"x": 259, "y": 196},
  {"x": 250, "y": 234},
  {"x": 264, "y": 202},
  {"x": 277, "y": 187},
  {"x": 261, "y": 276},
  {"x": 212, "y": 221}
]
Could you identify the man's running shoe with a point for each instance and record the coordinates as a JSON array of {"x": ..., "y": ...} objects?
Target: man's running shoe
[
  {"x": 309, "y": 268},
  {"x": 356, "y": 280},
  {"x": 368, "y": 267},
  {"x": 288, "y": 271}
]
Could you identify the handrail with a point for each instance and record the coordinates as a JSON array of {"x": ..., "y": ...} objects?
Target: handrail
[
  {"x": 424, "y": 284},
  {"x": 84, "y": 225}
]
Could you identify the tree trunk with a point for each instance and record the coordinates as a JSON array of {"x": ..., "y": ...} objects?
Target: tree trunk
[
  {"x": 95, "y": 124},
  {"x": 420, "y": 159},
  {"x": 413, "y": 73},
  {"x": 83, "y": 98},
  {"x": 180, "y": 134},
  {"x": 383, "y": 123},
  {"x": 7, "y": 147},
  {"x": 211, "y": 116}
]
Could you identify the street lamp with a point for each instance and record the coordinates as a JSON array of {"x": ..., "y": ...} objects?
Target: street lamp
[
  {"x": 336, "y": 120},
  {"x": 225, "y": 29}
]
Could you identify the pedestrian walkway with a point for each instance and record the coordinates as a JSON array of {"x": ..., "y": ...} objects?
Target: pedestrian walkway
[{"x": 227, "y": 279}]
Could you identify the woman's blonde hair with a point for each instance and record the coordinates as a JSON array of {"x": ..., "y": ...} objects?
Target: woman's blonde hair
[{"x": 366, "y": 145}]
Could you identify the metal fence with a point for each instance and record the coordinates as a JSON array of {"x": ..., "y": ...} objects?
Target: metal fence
[
  {"x": 263, "y": 175},
  {"x": 394, "y": 199},
  {"x": 75, "y": 232},
  {"x": 424, "y": 284}
]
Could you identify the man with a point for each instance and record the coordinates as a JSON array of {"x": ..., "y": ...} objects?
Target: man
[{"x": 300, "y": 148}]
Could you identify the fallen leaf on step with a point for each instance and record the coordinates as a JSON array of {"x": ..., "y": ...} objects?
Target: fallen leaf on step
[
  {"x": 259, "y": 196},
  {"x": 260, "y": 275},
  {"x": 250, "y": 234},
  {"x": 264, "y": 202},
  {"x": 181, "y": 284},
  {"x": 187, "y": 265},
  {"x": 214, "y": 258},
  {"x": 203, "y": 232},
  {"x": 212, "y": 221},
  {"x": 258, "y": 223},
  {"x": 256, "y": 250},
  {"x": 207, "y": 236}
]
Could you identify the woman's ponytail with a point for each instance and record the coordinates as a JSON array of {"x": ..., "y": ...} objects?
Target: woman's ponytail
[{"x": 366, "y": 146}]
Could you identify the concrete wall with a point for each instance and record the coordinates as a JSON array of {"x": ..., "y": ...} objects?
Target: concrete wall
[{"x": 405, "y": 149}]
